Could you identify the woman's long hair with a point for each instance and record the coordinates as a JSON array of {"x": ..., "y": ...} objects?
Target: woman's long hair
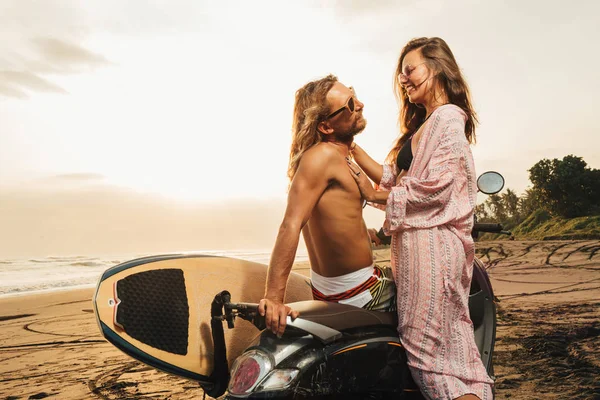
[
  {"x": 310, "y": 108},
  {"x": 448, "y": 79}
]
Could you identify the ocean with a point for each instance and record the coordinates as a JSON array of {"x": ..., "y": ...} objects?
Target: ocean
[{"x": 37, "y": 275}]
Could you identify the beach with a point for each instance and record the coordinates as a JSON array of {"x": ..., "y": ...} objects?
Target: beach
[{"x": 548, "y": 298}]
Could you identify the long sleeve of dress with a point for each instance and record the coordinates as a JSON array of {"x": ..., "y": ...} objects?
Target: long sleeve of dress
[
  {"x": 433, "y": 192},
  {"x": 388, "y": 180}
]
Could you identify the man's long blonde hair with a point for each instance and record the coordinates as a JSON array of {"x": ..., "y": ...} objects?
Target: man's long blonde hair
[{"x": 310, "y": 108}]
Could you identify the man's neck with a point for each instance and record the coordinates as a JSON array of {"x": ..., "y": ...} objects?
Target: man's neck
[{"x": 342, "y": 147}]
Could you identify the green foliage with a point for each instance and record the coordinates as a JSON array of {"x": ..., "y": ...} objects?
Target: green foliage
[
  {"x": 507, "y": 208},
  {"x": 564, "y": 203},
  {"x": 532, "y": 222},
  {"x": 539, "y": 227},
  {"x": 510, "y": 202},
  {"x": 568, "y": 187},
  {"x": 530, "y": 202}
]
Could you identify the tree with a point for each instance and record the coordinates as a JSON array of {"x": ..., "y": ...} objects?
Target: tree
[
  {"x": 492, "y": 210},
  {"x": 482, "y": 213},
  {"x": 510, "y": 201},
  {"x": 497, "y": 207},
  {"x": 529, "y": 202},
  {"x": 568, "y": 187}
]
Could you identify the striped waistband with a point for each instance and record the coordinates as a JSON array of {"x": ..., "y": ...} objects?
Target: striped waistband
[{"x": 366, "y": 285}]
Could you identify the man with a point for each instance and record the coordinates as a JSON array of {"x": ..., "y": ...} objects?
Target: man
[{"x": 325, "y": 204}]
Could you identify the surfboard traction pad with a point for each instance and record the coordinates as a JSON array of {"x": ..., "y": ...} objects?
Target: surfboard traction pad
[{"x": 154, "y": 309}]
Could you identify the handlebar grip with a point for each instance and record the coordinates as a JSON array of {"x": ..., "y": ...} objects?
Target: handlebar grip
[
  {"x": 259, "y": 322},
  {"x": 382, "y": 236},
  {"x": 487, "y": 227}
]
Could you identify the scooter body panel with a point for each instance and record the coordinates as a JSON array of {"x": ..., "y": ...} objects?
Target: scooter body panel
[
  {"x": 365, "y": 362},
  {"x": 482, "y": 310}
]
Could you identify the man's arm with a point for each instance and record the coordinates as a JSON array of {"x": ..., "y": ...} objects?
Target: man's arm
[{"x": 309, "y": 183}]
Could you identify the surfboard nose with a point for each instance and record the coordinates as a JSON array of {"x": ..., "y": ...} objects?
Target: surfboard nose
[{"x": 156, "y": 309}]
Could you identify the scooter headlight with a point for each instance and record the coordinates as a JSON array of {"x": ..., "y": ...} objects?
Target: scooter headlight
[
  {"x": 249, "y": 370},
  {"x": 279, "y": 379}
]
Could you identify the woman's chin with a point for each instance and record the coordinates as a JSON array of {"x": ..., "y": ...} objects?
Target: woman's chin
[{"x": 414, "y": 99}]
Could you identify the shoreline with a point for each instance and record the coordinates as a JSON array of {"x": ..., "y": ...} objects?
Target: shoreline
[
  {"x": 23, "y": 276},
  {"x": 548, "y": 314},
  {"x": 47, "y": 291}
]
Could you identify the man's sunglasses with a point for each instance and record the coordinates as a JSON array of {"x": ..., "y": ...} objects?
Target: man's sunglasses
[{"x": 350, "y": 105}]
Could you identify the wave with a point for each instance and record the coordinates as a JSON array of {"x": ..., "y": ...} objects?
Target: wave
[
  {"x": 43, "y": 289},
  {"x": 53, "y": 259},
  {"x": 62, "y": 272},
  {"x": 89, "y": 264}
]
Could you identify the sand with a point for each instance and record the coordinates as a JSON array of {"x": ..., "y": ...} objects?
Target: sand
[{"x": 547, "y": 339}]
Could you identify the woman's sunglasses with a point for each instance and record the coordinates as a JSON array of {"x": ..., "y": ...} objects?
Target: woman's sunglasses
[
  {"x": 350, "y": 105},
  {"x": 409, "y": 69}
]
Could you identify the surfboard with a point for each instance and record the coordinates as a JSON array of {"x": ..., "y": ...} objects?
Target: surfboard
[{"x": 157, "y": 309}]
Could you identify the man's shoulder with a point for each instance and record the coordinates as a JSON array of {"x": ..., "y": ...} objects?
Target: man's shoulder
[
  {"x": 319, "y": 160},
  {"x": 321, "y": 152}
]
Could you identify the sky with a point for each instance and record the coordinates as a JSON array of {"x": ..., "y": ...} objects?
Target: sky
[{"x": 165, "y": 126}]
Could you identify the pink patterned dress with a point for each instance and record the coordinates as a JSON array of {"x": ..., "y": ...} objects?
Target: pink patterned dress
[{"x": 429, "y": 215}]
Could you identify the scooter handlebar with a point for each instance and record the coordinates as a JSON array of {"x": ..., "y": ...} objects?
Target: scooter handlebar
[{"x": 247, "y": 311}]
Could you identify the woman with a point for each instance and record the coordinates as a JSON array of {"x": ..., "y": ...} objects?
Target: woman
[{"x": 428, "y": 191}]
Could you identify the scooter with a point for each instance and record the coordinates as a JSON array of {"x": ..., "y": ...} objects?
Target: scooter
[{"x": 337, "y": 351}]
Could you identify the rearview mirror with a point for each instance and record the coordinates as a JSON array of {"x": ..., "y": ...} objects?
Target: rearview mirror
[{"x": 490, "y": 182}]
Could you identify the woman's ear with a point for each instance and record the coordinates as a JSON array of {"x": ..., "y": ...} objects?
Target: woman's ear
[{"x": 325, "y": 128}]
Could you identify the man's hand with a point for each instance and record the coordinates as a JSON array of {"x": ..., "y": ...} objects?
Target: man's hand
[
  {"x": 275, "y": 314},
  {"x": 364, "y": 185}
]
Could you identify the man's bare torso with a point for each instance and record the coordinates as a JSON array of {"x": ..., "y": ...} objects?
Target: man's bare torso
[{"x": 335, "y": 235}]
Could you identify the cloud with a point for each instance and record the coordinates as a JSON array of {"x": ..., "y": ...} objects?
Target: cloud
[
  {"x": 68, "y": 181},
  {"x": 45, "y": 55},
  {"x": 78, "y": 177},
  {"x": 27, "y": 80},
  {"x": 9, "y": 91},
  {"x": 67, "y": 57}
]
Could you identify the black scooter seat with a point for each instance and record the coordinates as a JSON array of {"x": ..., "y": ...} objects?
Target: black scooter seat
[{"x": 341, "y": 316}]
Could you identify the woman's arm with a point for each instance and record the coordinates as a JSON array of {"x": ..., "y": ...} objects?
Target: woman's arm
[
  {"x": 367, "y": 190},
  {"x": 446, "y": 192},
  {"x": 372, "y": 168},
  {"x": 379, "y": 197}
]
